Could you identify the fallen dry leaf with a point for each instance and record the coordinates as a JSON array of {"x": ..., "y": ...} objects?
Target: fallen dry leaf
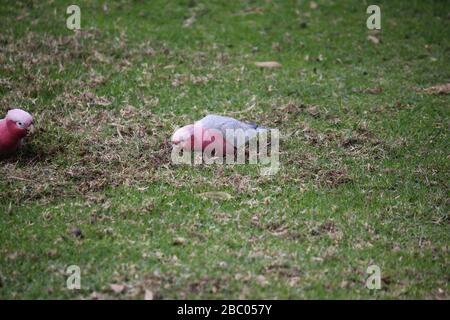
[
  {"x": 373, "y": 39},
  {"x": 374, "y": 90},
  {"x": 76, "y": 232},
  {"x": 189, "y": 21},
  {"x": 117, "y": 288},
  {"x": 170, "y": 66},
  {"x": 268, "y": 64},
  {"x": 219, "y": 195},
  {"x": 96, "y": 296},
  {"x": 438, "y": 89},
  {"x": 179, "y": 241},
  {"x": 262, "y": 281},
  {"x": 148, "y": 295}
]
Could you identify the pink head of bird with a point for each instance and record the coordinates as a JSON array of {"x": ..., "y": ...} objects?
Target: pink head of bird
[
  {"x": 184, "y": 137},
  {"x": 19, "y": 122}
]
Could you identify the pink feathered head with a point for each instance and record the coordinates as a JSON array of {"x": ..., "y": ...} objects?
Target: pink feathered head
[
  {"x": 184, "y": 137},
  {"x": 19, "y": 122}
]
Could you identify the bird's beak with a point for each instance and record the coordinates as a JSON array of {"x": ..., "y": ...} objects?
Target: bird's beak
[{"x": 30, "y": 129}]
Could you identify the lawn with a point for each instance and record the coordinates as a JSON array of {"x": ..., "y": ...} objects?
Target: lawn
[{"x": 364, "y": 151}]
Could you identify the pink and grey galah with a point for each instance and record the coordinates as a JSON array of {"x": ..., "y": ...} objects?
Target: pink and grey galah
[
  {"x": 222, "y": 133},
  {"x": 13, "y": 128}
]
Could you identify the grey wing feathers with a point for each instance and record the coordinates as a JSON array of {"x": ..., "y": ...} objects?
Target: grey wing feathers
[
  {"x": 213, "y": 121},
  {"x": 223, "y": 123}
]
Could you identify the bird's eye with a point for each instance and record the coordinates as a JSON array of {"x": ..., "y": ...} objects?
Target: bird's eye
[{"x": 20, "y": 124}]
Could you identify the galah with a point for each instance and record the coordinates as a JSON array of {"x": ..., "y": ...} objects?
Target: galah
[
  {"x": 13, "y": 128},
  {"x": 216, "y": 130}
]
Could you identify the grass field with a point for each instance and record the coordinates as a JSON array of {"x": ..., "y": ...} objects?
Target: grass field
[{"x": 364, "y": 177}]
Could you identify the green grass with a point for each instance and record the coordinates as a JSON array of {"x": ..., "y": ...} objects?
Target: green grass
[{"x": 363, "y": 178}]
